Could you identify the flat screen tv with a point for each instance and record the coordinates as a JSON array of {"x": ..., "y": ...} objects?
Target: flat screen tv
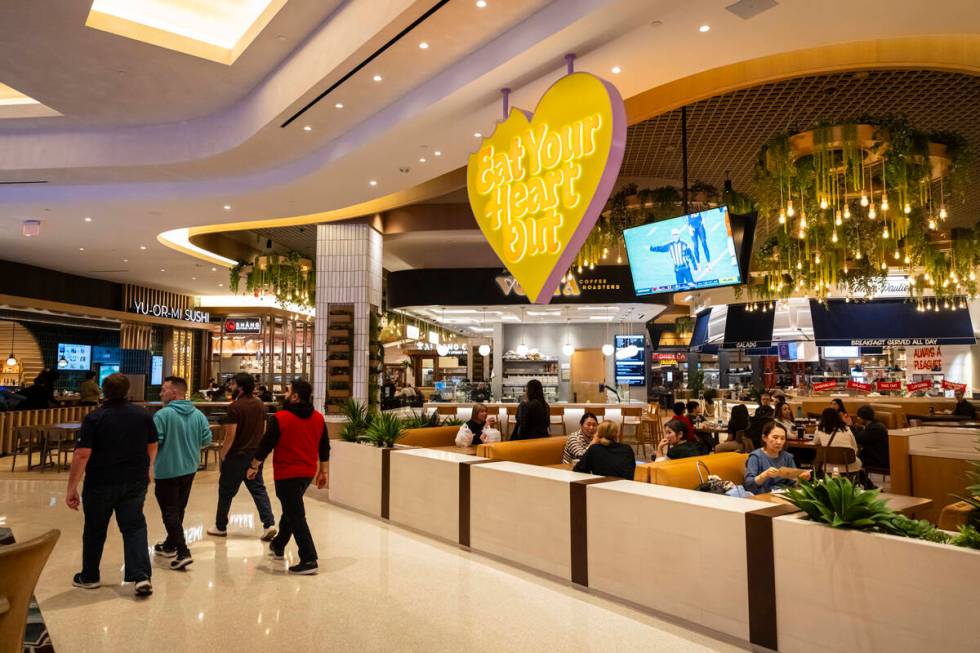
[
  {"x": 74, "y": 357},
  {"x": 105, "y": 369},
  {"x": 692, "y": 252},
  {"x": 630, "y": 368},
  {"x": 156, "y": 370},
  {"x": 797, "y": 352}
]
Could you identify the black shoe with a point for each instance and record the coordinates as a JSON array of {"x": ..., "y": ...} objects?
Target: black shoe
[
  {"x": 181, "y": 561},
  {"x": 275, "y": 554},
  {"x": 144, "y": 588},
  {"x": 85, "y": 584},
  {"x": 304, "y": 568},
  {"x": 161, "y": 549}
]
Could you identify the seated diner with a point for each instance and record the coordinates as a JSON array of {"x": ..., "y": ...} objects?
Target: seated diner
[
  {"x": 833, "y": 432},
  {"x": 606, "y": 455},
  {"x": 674, "y": 443},
  {"x": 765, "y": 468},
  {"x": 579, "y": 441},
  {"x": 478, "y": 429}
]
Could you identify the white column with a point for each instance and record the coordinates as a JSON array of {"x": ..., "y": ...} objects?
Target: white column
[
  {"x": 348, "y": 271},
  {"x": 496, "y": 387}
]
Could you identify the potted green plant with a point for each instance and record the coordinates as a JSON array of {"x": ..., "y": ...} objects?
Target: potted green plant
[{"x": 384, "y": 430}]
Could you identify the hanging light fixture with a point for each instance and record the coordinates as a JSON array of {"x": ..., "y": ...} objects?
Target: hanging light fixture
[
  {"x": 838, "y": 220},
  {"x": 484, "y": 349},
  {"x": 847, "y": 212},
  {"x": 872, "y": 214},
  {"x": 790, "y": 211},
  {"x": 884, "y": 202},
  {"x": 11, "y": 360},
  {"x": 782, "y": 216},
  {"x": 864, "y": 200}
]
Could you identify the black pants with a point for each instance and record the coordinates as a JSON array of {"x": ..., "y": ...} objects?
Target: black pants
[
  {"x": 172, "y": 495},
  {"x": 292, "y": 523},
  {"x": 233, "y": 470},
  {"x": 126, "y": 500}
]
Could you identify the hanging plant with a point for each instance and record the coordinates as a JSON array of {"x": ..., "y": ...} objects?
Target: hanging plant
[{"x": 291, "y": 279}]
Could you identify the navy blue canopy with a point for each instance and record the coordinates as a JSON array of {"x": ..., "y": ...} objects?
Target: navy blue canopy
[{"x": 887, "y": 323}]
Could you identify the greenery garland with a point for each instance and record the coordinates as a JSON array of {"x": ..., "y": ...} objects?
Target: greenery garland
[{"x": 291, "y": 279}]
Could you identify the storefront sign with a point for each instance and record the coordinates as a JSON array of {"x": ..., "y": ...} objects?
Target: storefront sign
[
  {"x": 171, "y": 312},
  {"x": 950, "y": 385},
  {"x": 888, "y": 385},
  {"x": 857, "y": 385},
  {"x": 893, "y": 342},
  {"x": 680, "y": 357},
  {"x": 243, "y": 325},
  {"x": 918, "y": 385},
  {"x": 926, "y": 359},
  {"x": 824, "y": 385},
  {"x": 451, "y": 347},
  {"x": 539, "y": 181}
]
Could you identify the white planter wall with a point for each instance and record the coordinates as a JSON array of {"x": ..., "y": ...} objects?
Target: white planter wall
[{"x": 355, "y": 476}]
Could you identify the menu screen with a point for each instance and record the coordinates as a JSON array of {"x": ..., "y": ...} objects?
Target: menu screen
[
  {"x": 630, "y": 369},
  {"x": 74, "y": 357},
  {"x": 156, "y": 371}
]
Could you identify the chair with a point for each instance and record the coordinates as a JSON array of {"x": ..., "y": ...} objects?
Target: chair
[
  {"x": 26, "y": 437},
  {"x": 557, "y": 418},
  {"x": 447, "y": 411},
  {"x": 598, "y": 411},
  {"x": 840, "y": 457},
  {"x": 630, "y": 416},
  {"x": 217, "y": 442},
  {"x": 20, "y": 567},
  {"x": 884, "y": 472}
]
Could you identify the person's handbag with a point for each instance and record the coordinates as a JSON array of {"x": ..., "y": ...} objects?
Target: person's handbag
[{"x": 709, "y": 482}]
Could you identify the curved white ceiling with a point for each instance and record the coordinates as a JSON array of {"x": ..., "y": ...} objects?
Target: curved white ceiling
[{"x": 135, "y": 182}]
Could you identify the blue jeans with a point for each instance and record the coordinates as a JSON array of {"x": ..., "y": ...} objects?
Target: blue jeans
[
  {"x": 233, "y": 469},
  {"x": 126, "y": 500}
]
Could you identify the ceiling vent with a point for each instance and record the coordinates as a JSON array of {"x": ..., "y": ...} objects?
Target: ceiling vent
[{"x": 746, "y": 9}]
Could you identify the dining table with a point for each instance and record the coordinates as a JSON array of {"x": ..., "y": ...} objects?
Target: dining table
[
  {"x": 56, "y": 434},
  {"x": 940, "y": 417},
  {"x": 470, "y": 451}
]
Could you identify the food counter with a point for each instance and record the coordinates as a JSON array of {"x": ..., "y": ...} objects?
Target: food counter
[{"x": 573, "y": 411}]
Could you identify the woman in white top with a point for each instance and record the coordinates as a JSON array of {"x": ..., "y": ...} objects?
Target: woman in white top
[
  {"x": 784, "y": 417},
  {"x": 833, "y": 432}
]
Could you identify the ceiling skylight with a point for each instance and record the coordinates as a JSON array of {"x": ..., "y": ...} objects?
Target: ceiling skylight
[
  {"x": 218, "y": 30},
  {"x": 14, "y": 104}
]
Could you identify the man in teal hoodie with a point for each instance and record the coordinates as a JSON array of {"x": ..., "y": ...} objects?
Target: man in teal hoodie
[{"x": 182, "y": 430}]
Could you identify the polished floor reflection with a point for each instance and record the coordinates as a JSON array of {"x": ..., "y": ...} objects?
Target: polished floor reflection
[{"x": 380, "y": 588}]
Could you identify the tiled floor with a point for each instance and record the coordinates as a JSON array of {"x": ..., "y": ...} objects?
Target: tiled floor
[{"x": 380, "y": 588}]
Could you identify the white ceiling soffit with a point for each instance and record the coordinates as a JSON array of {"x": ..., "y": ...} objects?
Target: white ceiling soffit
[
  {"x": 14, "y": 104},
  {"x": 441, "y": 112}
]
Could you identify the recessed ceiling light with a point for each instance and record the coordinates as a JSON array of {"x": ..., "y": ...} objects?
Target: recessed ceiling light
[
  {"x": 373, "y": 182},
  {"x": 477, "y": 135},
  {"x": 616, "y": 70},
  {"x": 143, "y": 247},
  {"x": 214, "y": 269},
  {"x": 81, "y": 249},
  {"x": 377, "y": 78},
  {"x": 163, "y": 269},
  {"x": 307, "y": 128},
  {"x": 423, "y": 45},
  {"x": 481, "y": 3},
  {"x": 421, "y": 159},
  {"x": 704, "y": 28},
  {"x": 193, "y": 278},
  {"x": 438, "y": 152},
  {"x": 227, "y": 207},
  {"x": 88, "y": 219},
  {"x": 221, "y": 285},
  {"x": 339, "y": 105},
  {"x": 125, "y": 260}
]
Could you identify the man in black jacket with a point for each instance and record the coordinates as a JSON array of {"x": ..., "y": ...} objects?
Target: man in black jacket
[
  {"x": 963, "y": 407},
  {"x": 872, "y": 438}
]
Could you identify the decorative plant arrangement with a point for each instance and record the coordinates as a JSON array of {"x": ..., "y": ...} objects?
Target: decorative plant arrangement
[
  {"x": 291, "y": 279},
  {"x": 422, "y": 420},
  {"x": 359, "y": 418},
  {"x": 384, "y": 430},
  {"x": 840, "y": 503},
  {"x": 847, "y": 202}
]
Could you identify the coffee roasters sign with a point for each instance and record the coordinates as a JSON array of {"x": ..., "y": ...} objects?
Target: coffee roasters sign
[
  {"x": 243, "y": 325},
  {"x": 170, "y": 312},
  {"x": 539, "y": 181}
]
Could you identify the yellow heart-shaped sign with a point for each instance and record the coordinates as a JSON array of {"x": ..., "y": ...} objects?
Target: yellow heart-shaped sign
[{"x": 539, "y": 182}]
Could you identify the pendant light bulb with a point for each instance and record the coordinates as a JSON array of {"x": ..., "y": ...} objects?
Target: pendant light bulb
[
  {"x": 907, "y": 259},
  {"x": 884, "y": 233},
  {"x": 839, "y": 220},
  {"x": 908, "y": 208},
  {"x": 803, "y": 221},
  {"x": 847, "y": 212},
  {"x": 897, "y": 255},
  {"x": 823, "y": 203},
  {"x": 973, "y": 275},
  {"x": 522, "y": 349},
  {"x": 484, "y": 350},
  {"x": 932, "y": 224},
  {"x": 884, "y": 202},
  {"x": 942, "y": 212},
  {"x": 11, "y": 360},
  {"x": 816, "y": 259},
  {"x": 799, "y": 265},
  {"x": 790, "y": 211},
  {"x": 607, "y": 349},
  {"x": 864, "y": 200},
  {"x": 872, "y": 214},
  {"x": 884, "y": 266},
  {"x": 833, "y": 237},
  {"x": 567, "y": 349},
  {"x": 782, "y": 216},
  {"x": 858, "y": 255}
]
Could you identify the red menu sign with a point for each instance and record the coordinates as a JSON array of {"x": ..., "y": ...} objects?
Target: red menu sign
[
  {"x": 679, "y": 357},
  {"x": 918, "y": 385},
  {"x": 949, "y": 385},
  {"x": 824, "y": 385},
  {"x": 888, "y": 385},
  {"x": 856, "y": 385}
]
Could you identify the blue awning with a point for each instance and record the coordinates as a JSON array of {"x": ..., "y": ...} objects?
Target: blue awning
[
  {"x": 700, "y": 338},
  {"x": 745, "y": 329},
  {"x": 887, "y": 323}
]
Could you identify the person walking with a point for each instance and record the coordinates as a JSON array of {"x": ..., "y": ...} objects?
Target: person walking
[
  {"x": 298, "y": 434},
  {"x": 244, "y": 426},
  {"x": 114, "y": 451},
  {"x": 182, "y": 432}
]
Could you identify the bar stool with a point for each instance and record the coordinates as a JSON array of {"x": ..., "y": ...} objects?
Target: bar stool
[
  {"x": 26, "y": 437},
  {"x": 630, "y": 416},
  {"x": 446, "y": 411},
  {"x": 511, "y": 422},
  {"x": 493, "y": 410},
  {"x": 598, "y": 411},
  {"x": 557, "y": 418}
]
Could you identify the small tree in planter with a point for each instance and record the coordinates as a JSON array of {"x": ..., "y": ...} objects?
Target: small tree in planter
[
  {"x": 359, "y": 418},
  {"x": 384, "y": 430}
]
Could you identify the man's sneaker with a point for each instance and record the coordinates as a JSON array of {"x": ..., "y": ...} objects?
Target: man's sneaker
[
  {"x": 181, "y": 561},
  {"x": 84, "y": 584},
  {"x": 304, "y": 568},
  {"x": 144, "y": 588},
  {"x": 218, "y": 532},
  {"x": 269, "y": 534},
  {"x": 161, "y": 549},
  {"x": 276, "y": 555}
]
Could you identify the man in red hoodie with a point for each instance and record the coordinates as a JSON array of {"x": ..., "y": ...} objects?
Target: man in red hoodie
[{"x": 298, "y": 434}]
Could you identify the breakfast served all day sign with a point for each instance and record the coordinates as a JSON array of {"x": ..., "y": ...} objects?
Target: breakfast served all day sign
[{"x": 539, "y": 182}]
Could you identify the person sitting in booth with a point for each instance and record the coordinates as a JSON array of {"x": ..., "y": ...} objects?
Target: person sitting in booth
[
  {"x": 763, "y": 415},
  {"x": 765, "y": 468},
  {"x": 579, "y": 441},
  {"x": 694, "y": 414},
  {"x": 872, "y": 438},
  {"x": 479, "y": 429},
  {"x": 784, "y": 417},
  {"x": 833, "y": 432},
  {"x": 838, "y": 404},
  {"x": 606, "y": 455},
  {"x": 674, "y": 443},
  {"x": 963, "y": 407},
  {"x": 765, "y": 401}
]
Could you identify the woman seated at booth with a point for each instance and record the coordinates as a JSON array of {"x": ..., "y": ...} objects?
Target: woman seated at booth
[
  {"x": 838, "y": 405},
  {"x": 479, "y": 429},
  {"x": 579, "y": 442},
  {"x": 765, "y": 467},
  {"x": 833, "y": 432},
  {"x": 606, "y": 455},
  {"x": 674, "y": 443},
  {"x": 784, "y": 417}
]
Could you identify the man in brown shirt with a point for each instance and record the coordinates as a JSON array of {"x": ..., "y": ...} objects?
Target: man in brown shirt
[{"x": 244, "y": 427}]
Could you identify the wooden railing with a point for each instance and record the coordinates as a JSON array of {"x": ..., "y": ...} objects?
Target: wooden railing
[{"x": 10, "y": 420}]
